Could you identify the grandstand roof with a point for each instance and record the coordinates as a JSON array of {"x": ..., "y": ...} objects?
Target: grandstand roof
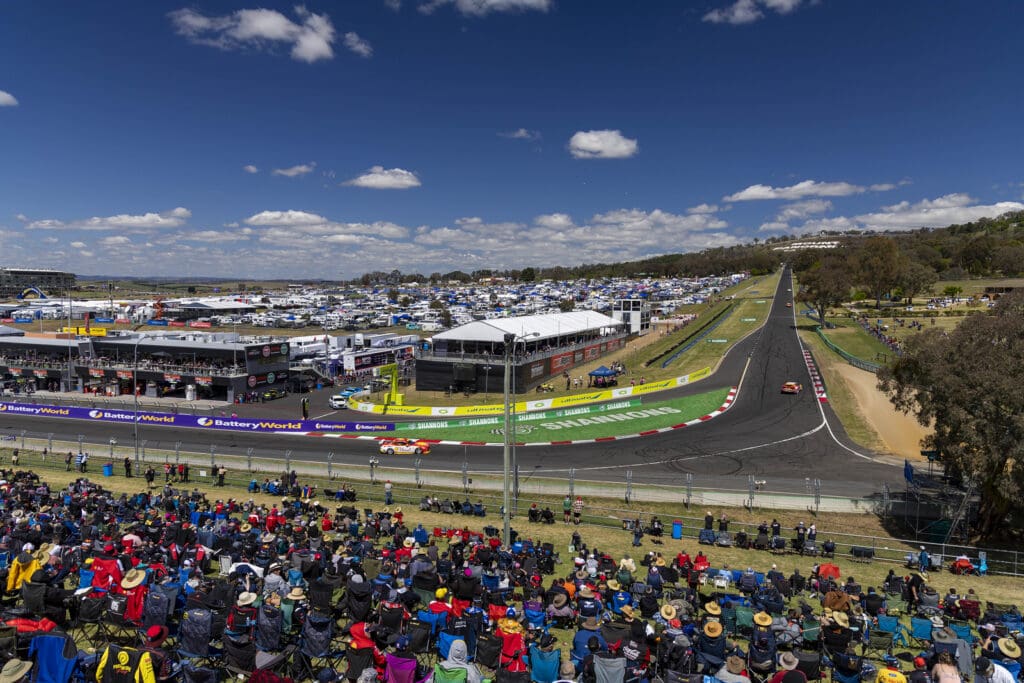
[{"x": 538, "y": 327}]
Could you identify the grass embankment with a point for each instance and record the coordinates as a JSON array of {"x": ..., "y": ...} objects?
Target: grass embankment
[
  {"x": 617, "y": 542},
  {"x": 576, "y": 424},
  {"x": 856, "y": 341}
]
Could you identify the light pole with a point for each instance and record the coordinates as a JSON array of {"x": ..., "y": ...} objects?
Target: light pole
[
  {"x": 506, "y": 508},
  {"x": 487, "y": 374},
  {"x": 135, "y": 396}
]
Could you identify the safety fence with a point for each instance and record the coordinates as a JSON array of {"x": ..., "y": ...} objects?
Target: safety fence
[
  {"x": 682, "y": 515},
  {"x": 848, "y": 357}
]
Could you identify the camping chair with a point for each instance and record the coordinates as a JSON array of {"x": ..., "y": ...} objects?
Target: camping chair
[
  {"x": 893, "y": 626},
  {"x": 610, "y": 669},
  {"x": 444, "y": 643},
  {"x": 963, "y": 631},
  {"x": 194, "y": 636},
  {"x": 846, "y": 668},
  {"x": 443, "y": 674},
  {"x": 544, "y": 665},
  {"x": 728, "y": 619},
  {"x": 89, "y": 623},
  {"x": 420, "y": 640},
  {"x": 316, "y": 647},
  {"x": 399, "y": 669},
  {"x": 56, "y": 657},
  {"x": 116, "y": 625},
  {"x": 921, "y": 631},
  {"x": 436, "y": 621},
  {"x": 393, "y": 618},
  {"x": 239, "y": 655},
  {"x": 809, "y": 663},
  {"x": 811, "y": 633},
  {"x": 760, "y": 663},
  {"x": 358, "y": 660},
  {"x": 744, "y": 620},
  {"x": 878, "y": 641}
]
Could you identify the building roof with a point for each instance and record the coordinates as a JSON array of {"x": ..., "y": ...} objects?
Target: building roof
[
  {"x": 8, "y": 331},
  {"x": 538, "y": 327},
  {"x": 216, "y": 305}
]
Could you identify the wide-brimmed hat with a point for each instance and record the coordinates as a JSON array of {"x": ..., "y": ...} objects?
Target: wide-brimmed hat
[
  {"x": 627, "y": 611},
  {"x": 156, "y": 635},
  {"x": 407, "y": 543},
  {"x": 944, "y": 635},
  {"x": 614, "y": 585},
  {"x": 788, "y": 661},
  {"x": 924, "y": 577},
  {"x": 15, "y": 670},
  {"x": 668, "y": 612},
  {"x": 734, "y": 665},
  {"x": 246, "y": 599},
  {"x": 1009, "y": 647},
  {"x": 296, "y": 593},
  {"x": 581, "y": 574},
  {"x": 133, "y": 579},
  {"x": 763, "y": 619},
  {"x": 245, "y": 528},
  {"x": 41, "y": 556},
  {"x": 585, "y": 592},
  {"x": 840, "y": 619},
  {"x": 510, "y": 625},
  {"x": 660, "y": 562},
  {"x": 627, "y": 563},
  {"x": 590, "y": 624},
  {"x": 712, "y": 629},
  {"x": 559, "y": 600},
  {"x": 18, "y": 514},
  {"x": 713, "y": 608},
  {"x": 937, "y": 622},
  {"x": 47, "y": 547},
  {"x": 268, "y": 538},
  {"x": 547, "y": 640}
]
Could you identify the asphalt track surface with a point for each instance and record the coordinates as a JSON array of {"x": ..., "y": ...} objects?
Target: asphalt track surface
[{"x": 781, "y": 439}]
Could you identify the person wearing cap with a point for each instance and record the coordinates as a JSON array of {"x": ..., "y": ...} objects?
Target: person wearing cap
[
  {"x": 890, "y": 673},
  {"x": 987, "y": 671},
  {"x": 920, "y": 673},
  {"x": 153, "y": 643}
]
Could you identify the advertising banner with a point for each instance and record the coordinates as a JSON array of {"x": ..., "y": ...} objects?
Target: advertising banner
[
  {"x": 124, "y": 374},
  {"x": 157, "y": 323},
  {"x": 41, "y": 373},
  {"x": 95, "y": 372},
  {"x": 204, "y": 381},
  {"x": 198, "y": 323},
  {"x": 172, "y": 378},
  {"x": 176, "y": 323},
  {"x": 238, "y": 424},
  {"x": 266, "y": 351}
]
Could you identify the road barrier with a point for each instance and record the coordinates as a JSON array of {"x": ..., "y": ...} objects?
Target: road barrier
[{"x": 848, "y": 357}]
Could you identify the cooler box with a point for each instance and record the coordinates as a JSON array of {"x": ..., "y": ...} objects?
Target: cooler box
[{"x": 677, "y": 529}]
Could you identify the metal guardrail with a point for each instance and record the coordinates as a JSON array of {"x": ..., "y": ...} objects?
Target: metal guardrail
[{"x": 848, "y": 357}]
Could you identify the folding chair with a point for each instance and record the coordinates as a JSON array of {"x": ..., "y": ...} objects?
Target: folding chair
[
  {"x": 878, "y": 641},
  {"x": 316, "y": 647},
  {"x": 89, "y": 623},
  {"x": 744, "y": 620},
  {"x": 809, "y": 663},
  {"x": 921, "y": 631},
  {"x": 811, "y": 633},
  {"x": 194, "y": 637}
]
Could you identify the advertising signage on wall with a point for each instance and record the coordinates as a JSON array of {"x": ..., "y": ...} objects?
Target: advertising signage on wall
[
  {"x": 268, "y": 378},
  {"x": 266, "y": 351},
  {"x": 195, "y": 421}
]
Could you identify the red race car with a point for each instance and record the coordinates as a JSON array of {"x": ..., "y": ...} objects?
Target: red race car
[{"x": 792, "y": 388}]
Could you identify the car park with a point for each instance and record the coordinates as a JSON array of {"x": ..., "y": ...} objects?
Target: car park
[
  {"x": 404, "y": 447},
  {"x": 792, "y": 388}
]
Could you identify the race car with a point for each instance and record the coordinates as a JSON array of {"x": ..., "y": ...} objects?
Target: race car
[
  {"x": 792, "y": 388},
  {"x": 789, "y": 305},
  {"x": 404, "y": 447}
]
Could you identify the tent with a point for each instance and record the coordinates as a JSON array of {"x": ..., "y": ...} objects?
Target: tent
[{"x": 603, "y": 372}]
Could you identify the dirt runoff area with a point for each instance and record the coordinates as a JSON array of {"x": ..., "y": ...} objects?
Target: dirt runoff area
[{"x": 900, "y": 433}]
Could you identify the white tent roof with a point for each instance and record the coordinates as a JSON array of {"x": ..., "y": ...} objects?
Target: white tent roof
[{"x": 545, "y": 327}]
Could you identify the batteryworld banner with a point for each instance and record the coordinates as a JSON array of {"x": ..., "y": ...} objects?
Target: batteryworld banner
[{"x": 238, "y": 424}]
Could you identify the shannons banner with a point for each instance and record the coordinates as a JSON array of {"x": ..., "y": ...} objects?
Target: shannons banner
[{"x": 238, "y": 424}]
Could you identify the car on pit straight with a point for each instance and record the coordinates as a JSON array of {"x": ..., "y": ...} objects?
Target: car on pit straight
[{"x": 400, "y": 446}]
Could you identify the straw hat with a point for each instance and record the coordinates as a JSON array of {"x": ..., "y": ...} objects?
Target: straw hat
[
  {"x": 713, "y": 608},
  {"x": 407, "y": 543},
  {"x": 712, "y": 629},
  {"x": 1009, "y": 647},
  {"x": 841, "y": 619},
  {"x": 614, "y": 585},
  {"x": 296, "y": 593},
  {"x": 660, "y": 562},
  {"x": 590, "y": 624},
  {"x": 245, "y": 528},
  {"x": 734, "y": 665},
  {"x": 937, "y": 622},
  {"x": 41, "y": 556},
  {"x": 628, "y": 564},
  {"x": 627, "y": 612},
  {"x": 763, "y": 619},
  {"x": 668, "y": 612},
  {"x": 246, "y": 599},
  {"x": 133, "y": 579},
  {"x": 15, "y": 670},
  {"x": 788, "y": 661},
  {"x": 559, "y": 600},
  {"x": 924, "y": 577},
  {"x": 585, "y": 592}
]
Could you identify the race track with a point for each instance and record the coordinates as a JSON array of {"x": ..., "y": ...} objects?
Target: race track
[{"x": 781, "y": 439}]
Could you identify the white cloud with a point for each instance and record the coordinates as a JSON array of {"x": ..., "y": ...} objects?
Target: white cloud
[
  {"x": 311, "y": 37},
  {"x": 703, "y": 208},
  {"x": 7, "y": 99},
  {"x": 803, "y": 209},
  {"x": 212, "y": 236},
  {"x": 479, "y": 8},
  {"x": 933, "y": 213},
  {"x": 554, "y": 221},
  {"x": 602, "y": 144},
  {"x": 393, "y": 5},
  {"x": 748, "y": 11},
  {"x": 290, "y": 217},
  {"x": 249, "y": 168},
  {"x": 807, "y": 188},
  {"x": 293, "y": 171},
  {"x": 141, "y": 222},
  {"x": 358, "y": 45},
  {"x": 380, "y": 178},
  {"x": 79, "y": 245},
  {"x": 521, "y": 134},
  {"x": 283, "y": 224},
  {"x": 115, "y": 240}
]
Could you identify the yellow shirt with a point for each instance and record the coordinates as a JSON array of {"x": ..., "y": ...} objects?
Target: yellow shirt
[{"x": 888, "y": 675}]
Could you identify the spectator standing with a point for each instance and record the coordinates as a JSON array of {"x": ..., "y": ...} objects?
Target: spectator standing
[
  {"x": 577, "y": 510},
  {"x": 567, "y": 508},
  {"x": 221, "y": 473},
  {"x": 127, "y": 467},
  {"x": 388, "y": 496},
  {"x": 67, "y": 461}
]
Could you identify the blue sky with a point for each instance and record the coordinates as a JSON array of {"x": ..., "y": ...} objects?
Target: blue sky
[{"x": 328, "y": 139}]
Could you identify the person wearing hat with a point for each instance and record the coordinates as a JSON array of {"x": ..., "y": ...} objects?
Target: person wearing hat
[
  {"x": 589, "y": 629},
  {"x": 836, "y": 635},
  {"x": 733, "y": 671},
  {"x": 513, "y": 647},
  {"x": 559, "y": 610},
  {"x": 133, "y": 587},
  {"x": 914, "y": 588},
  {"x": 15, "y": 671},
  {"x": 153, "y": 643},
  {"x": 1006, "y": 648},
  {"x": 711, "y": 647},
  {"x": 714, "y": 611}
]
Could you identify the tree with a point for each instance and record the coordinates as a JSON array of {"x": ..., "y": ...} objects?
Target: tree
[
  {"x": 566, "y": 305},
  {"x": 446, "y": 317},
  {"x": 528, "y": 274},
  {"x": 825, "y": 283},
  {"x": 879, "y": 265},
  {"x": 968, "y": 383},
  {"x": 915, "y": 279}
]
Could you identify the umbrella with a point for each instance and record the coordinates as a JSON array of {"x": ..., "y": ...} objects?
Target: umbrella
[{"x": 828, "y": 571}]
